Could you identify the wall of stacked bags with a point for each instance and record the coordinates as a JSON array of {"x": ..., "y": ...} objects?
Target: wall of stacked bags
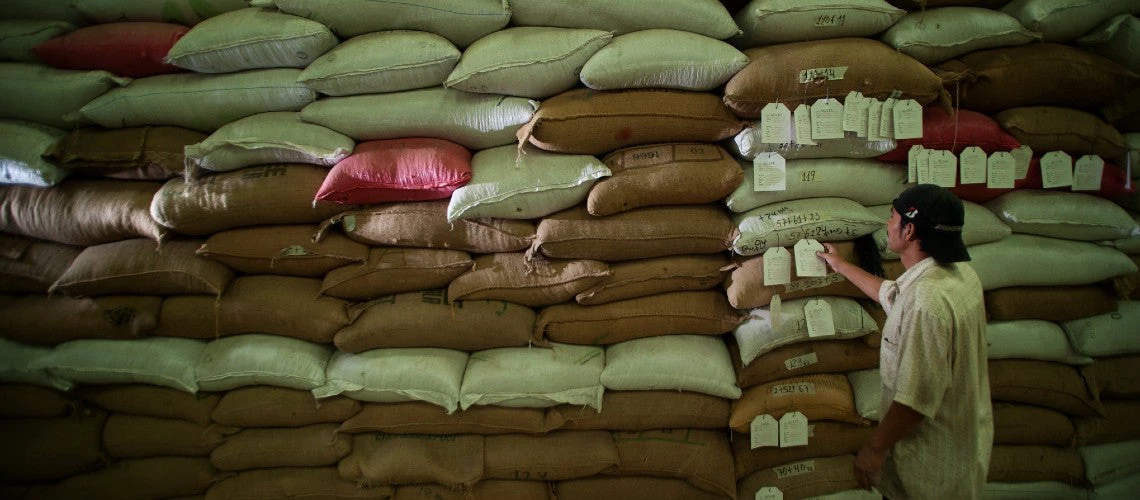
[{"x": 350, "y": 249}]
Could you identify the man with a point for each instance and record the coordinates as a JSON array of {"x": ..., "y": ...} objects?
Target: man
[{"x": 936, "y": 433}]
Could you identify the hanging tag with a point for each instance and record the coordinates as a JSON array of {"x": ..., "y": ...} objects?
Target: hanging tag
[
  {"x": 1022, "y": 155},
  {"x": 776, "y": 312},
  {"x": 764, "y": 432},
  {"x": 887, "y": 119},
  {"x": 777, "y": 266},
  {"x": 943, "y": 168},
  {"x": 908, "y": 120},
  {"x": 972, "y": 164},
  {"x": 769, "y": 493},
  {"x": 808, "y": 264},
  {"x": 820, "y": 323},
  {"x": 1087, "y": 173},
  {"x": 851, "y": 105},
  {"x": 874, "y": 116},
  {"x": 827, "y": 119},
  {"x": 803, "y": 125},
  {"x": 923, "y": 165},
  {"x": 1000, "y": 170},
  {"x": 775, "y": 124},
  {"x": 793, "y": 430},
  {"x": 769, "y": 172},
  {"x": 1056, "y": 170},
  {"x": 912, "y": 163}
]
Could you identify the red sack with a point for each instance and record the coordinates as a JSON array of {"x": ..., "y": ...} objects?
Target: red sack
[
  {"x": 131, "y": 49},
  {"x": 938, "y": 132},
  {"x": 396, "y": 170},
  {"x": 1112, "y": 181}
]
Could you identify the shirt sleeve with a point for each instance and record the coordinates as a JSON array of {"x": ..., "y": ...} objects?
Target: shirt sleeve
[
  {"x": 887, "y": 293},
  {"x": 924, "y": 370}
]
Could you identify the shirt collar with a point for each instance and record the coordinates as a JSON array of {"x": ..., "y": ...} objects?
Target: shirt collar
[{"x": 912, "y": 274}]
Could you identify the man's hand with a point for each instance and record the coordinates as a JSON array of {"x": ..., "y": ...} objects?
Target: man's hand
[
  {"x": 831, "y": 256},
  {"x": 868, "y": 466}
]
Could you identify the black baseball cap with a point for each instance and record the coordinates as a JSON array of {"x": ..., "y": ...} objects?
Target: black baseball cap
[{"x": 938, "y": 217}]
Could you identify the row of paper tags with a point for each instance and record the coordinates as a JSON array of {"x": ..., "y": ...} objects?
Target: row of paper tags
[
  {"x": 829, "y": 119},
  {"x": 778, "y": 271}
]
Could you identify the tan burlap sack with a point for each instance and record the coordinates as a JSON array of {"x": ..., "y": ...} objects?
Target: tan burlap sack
[
  {"x": 280, "y": 305},
  {"x": 426, "y": 319},
  {"x": 818, "y": 397},
  {"x": 265, "y": 406},
  {"x": 1018, "y": 424},
  {"x": 423, "y": 224},
  {"x": 745, "y": 288},
  {"x": 584, "y": 121},
  {"x": 487, "y": 488},
  {"x": 151, "y": 401},
  {"x": 806, "y": 478},
  {"x": 417, "y": 417},
  {"x": 396, "y": 270},
  {"x": 701, "y": 457},
  {"x": 802, "y": 72},
  {"x": 1052, "y": 128},
  {"x": 398, "y": 459},
  {"x": 270, "y": 194},
  {"x": 1118, "y": 424},
  {"x": 292, "y": 482},
  {"x": 1050, "y": 303},
  {"x": 31, "y": 266},
  {"x": 310, "y": 446},
  {"x": 555, "y": 456},
  {"x": 188, "y": 316},
  {"x": 51, "y": 448},
  {"x": 644, "y": 277},
  {"x": 141, "y": 266},
  {"x": 1115, "y": 377},
  {"x": 160, "y": 477},
  {"x": 125, "y": 153},
  {"x": 50, "y": 320},
  {"x": 825, "y": 439},
  {"x": 287, "y": 250},
  {"x": 33, "y": 401},
  {"x": 805, "y": 358},
  {"x": 132, "y": 436},
  {"x": 1022, "y": 464},
  {"x": 664, "y": 174},
  {"x": 645, "y": 410},
  {"x": 594, "y": 488},
  {"x": 510, "y": 277},
  {"x": 675, "y": 313},
  {"x": 637, "y": 234},
  {"x": 80, "y": 212},
  {"x": 1042, "y": 383}
]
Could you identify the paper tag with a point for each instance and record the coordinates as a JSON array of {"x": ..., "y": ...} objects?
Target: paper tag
[
  {"x": 764, "y": 432},
  {"x": 1087, "y": 173},
  {"x": 820, "y": 323},
  {"x": 922, "y": 166},
  {"x": 972, "y": 165},
  {"x": 908, "y": 119},
  {"x": 777, "y": 266},
  {"x": 887, "y": 119},
  {"x": 851, "y": 106},
  {"x": 832, "y": 73},
  {"x": 796, "y": 469},
  {"x": 807, "y": 262},
  {"x": 775, "y": 312},
  {"x": 798, "y": 362},
  {"x": 861, "y": 127},
  {"x": 775, "y": 124},
  {"x": 803, "y": 125},
  {"x": 769, "y": 172},
  {"x": 874, "y": 116},
  {"x": 827, "y": 119},
  {"x": 793, "y": 430},
  {"x": 769, "y": 493},
  {"x": 1056, "y": 169},
  {"x": 1000, "y": 170},
  {"x": 943, "y": 168},
  {"x": 912, "y": 163},
  {"x": 1022, "y": 155}
]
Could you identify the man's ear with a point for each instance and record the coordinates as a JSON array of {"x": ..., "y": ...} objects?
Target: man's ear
[{"x": 909, "y": 233}]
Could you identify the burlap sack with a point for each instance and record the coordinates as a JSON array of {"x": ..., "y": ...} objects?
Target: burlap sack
[
  {"x": 818, "y": 397},
  {"x": 803, "y": 479},
  {"x": 645, "y": 410},
  {"x": 664, "y": 174},
  {"x": 1128, "y": 286},
  {"x": 151, "y": 401},
  {"x": 271, "y": 194},
  {"x": 785, "y": 223},
  {"x": 555, "y": 456},
  {"x": 644, "y": 277},
  {"x": 154, "y": 361},
  {"x": 745, "y": 288},
  {"x": 141, "y": 266},
  {"x": 31, "y": 266},
  {"x": 397, "y": 459},
  {"x": 258, "y": 359},
  {"x": 1050, "y": 303},
  {"x": 662, "y": 58},
  {"x": 249, "y": 39},
  {"x": 310, "y": 446},
  {"x": 676, "y": 313},
  {"x": 22, "y": 36},
  {"x": 1035, "y": 75},
  {"x": 701, "y": 457},
  {"x": 707, "y": 18},
  {"x": 19, "y": 365},
  {"x": 762, "y": 332},
  {"x": 426, "y": 319},
  {"x": 592, "y": 488},
  {"x": 697, "y": 363},
  {"x": 825, "y": 439},
  {"x": 1020, "y": 464},
  {"x": 424, "y": 225},
  {"x": 960, "y": 31},
  {"x": 292, "y": 482},
  {"x": 32, "y": 401},
  {"x": 51, "y": 96},
  {"x": 1076, "y": 132},
  {"x": 46, "y": 320},
  {"x": 280, "y": 305},
  {"x": 397, "y": 375},
  {"x": 417, "y": 417},
  {"x": 771, "y": 23},
  {"x": 637, "y": 234},
  {"x": 128, "y": 153},
  {"x": 866, "y": 181},
  {"x": 1112, "y": 334},
  {"x": 487, "y": 488},
  {"x": 131, "y": 436},
  {"x": 80, "y": 212},
  {"x": 382, "y": 62},
  {"x": 530, "y": 377},
  {"x": 264, "y": 406},
  {"x": 264, "y": 138},
  {"x": 160, "y": 477},
  {"x": 1029, "y": 260},
  {"x": 805, "y": 358},
  {"x": 585, "y": 121},
  {"x": 188, "y": 316},
  {"x": 1115, "y": 377},
  {"x": 287, "y": 250},
  {"x": 1049, "y": 385},
  {"x": 1017, "y": 424},
  {"x": 1032, "y": 339},
  {"x": 390, "y": 271},
  {"x": 805, "y": 71},
  {"x": 51, "y": 448},
  {"x": 510, "y": 278},
  {"x": 1118, "y": 424},
  {"x": 460, "y": 21}
]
